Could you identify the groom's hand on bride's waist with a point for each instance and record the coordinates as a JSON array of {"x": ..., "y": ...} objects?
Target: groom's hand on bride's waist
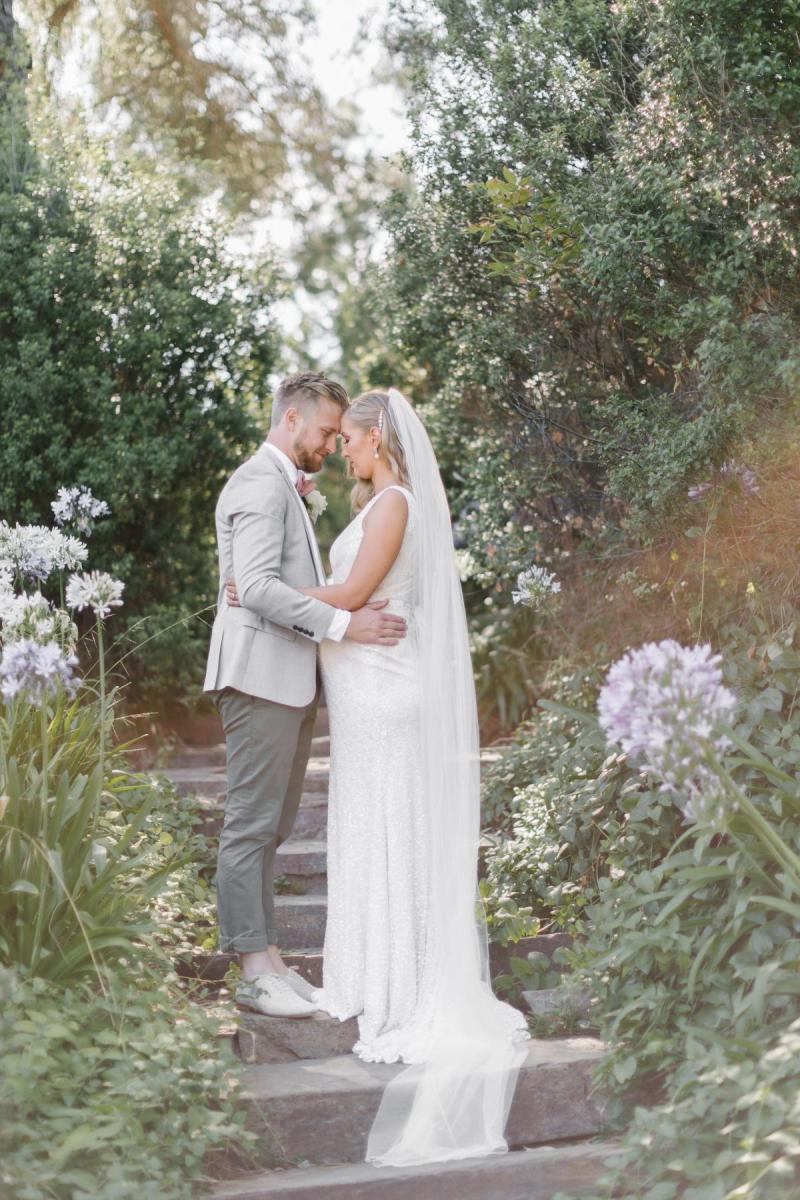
[
  {"x": 370, "y": 624},
  {"x": 375, "y": 626}
]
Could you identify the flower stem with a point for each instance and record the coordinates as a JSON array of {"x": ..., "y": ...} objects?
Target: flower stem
[
  {"x": 45, "y": 731},
  {"x": 102, "y": 671},
  {"x": 768, "y": 836}
]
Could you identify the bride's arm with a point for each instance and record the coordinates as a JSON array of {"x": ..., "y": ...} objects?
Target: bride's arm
[{"x": 384, "y": 527}]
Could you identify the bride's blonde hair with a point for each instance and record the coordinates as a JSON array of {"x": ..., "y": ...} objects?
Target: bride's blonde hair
[{"x": 371, "y": 411}]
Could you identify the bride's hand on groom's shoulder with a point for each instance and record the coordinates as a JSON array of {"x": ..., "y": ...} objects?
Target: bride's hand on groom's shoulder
[{"x": 373, "y": 625}]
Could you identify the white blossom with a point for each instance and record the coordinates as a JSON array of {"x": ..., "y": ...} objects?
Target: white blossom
[
  {"x": 68, "y": 552},
  {"x": 35, "y": 618},
  {"x": 34, "y": 551},
  {"x": 466, "y": 565},
  {"x": 534, "y": 587},
  {"x": 77, "y": 506},
  {"x": 29, "y": 668},
  {"x": 317, "y": 503},
  {"x": 6, "y": 580},
  {"x": 96, "y": 590},
  {"x": 27, "y": 550}
]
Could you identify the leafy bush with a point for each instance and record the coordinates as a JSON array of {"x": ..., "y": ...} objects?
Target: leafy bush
[
  {"x": 689, "y": 939},
  {"x": 589, "y": 279},
  {"x": 72, "y": 878},
  {"x": 110, "y": 1095},
  {"x": 134, "y": 357}
]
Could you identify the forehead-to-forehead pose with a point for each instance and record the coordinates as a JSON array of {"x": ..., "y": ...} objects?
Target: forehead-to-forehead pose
[{"x": 403, "y": 951}]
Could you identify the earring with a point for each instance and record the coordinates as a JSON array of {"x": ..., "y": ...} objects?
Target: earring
[{"x": 376, "y": 453}]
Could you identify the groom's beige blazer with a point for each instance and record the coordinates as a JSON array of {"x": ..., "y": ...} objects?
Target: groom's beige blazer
[{"x": 268, "y": 647}]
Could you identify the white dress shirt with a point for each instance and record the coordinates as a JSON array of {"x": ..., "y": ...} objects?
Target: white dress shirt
[{"x": 341, "y": 619}]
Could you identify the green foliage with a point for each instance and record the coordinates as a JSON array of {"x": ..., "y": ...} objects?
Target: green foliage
[
  {"x": 182, "y": 913},
  {"x": 74, "y": 881},
  {"x": 133, "y": 356},
  {"x": 689, "y": 940},
  {"x": 176, "y": 73},
  {"x": 110, "y": 1095},
  {"x": 592, "y": 287}
]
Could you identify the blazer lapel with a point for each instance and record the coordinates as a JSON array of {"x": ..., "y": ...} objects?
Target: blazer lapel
[{"x": 313, "y": 548}]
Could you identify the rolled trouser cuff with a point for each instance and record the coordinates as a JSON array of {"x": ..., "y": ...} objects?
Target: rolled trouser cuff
[{"x": 246, "y": 945}]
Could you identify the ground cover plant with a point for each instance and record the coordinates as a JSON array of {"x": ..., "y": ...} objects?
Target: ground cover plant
[{"x": 105, "y": 1060}]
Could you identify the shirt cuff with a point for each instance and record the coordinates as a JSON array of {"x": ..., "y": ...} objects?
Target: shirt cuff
[{"x": 338, "y": 626}]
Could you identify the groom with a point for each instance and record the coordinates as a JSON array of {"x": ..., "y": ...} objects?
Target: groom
[{"x": 262, "y": 673}]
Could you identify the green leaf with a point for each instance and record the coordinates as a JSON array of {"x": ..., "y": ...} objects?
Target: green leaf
[{"x": 24, "y": 885}]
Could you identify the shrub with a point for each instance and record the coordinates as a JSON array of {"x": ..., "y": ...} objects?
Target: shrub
[
  {"x": 134, "y": 357},
  {"x": 109, "y": 1095},
  {"x": 73, "y": 879},
  {"x": 690, "y": 936}
]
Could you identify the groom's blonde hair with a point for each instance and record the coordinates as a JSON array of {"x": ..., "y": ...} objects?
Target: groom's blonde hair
[
  {"x": 299, "y": 391},
  {"x": 371, "y": 410}
]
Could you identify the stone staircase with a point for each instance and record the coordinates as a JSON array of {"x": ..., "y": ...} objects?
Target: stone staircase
[{"x": 311, "y": 1102}]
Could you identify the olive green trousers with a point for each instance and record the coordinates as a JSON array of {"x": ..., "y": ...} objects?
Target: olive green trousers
[{"x": 268, "y": 746}]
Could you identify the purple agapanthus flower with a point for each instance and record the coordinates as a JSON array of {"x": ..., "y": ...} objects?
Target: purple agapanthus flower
[
  {"x": 664, "y": 704},
  {"x": 744, "y": 476},
  {"x": 34, "y": 669},
  {"x": 731, "y": 471}
]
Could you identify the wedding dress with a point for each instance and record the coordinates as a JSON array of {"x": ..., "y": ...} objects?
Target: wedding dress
[{"x": 405, "y": 949}]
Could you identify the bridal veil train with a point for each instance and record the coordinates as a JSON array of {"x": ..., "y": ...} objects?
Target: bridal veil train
[{"x": 453, "y": 1100}]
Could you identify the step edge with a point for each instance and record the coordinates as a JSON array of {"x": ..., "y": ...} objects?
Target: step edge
[
  {"x": 341, "y": 1174},
  {"x": 273, "y": 1081}
]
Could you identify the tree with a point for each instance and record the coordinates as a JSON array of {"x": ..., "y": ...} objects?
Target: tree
[
  {"x": 210, "y": 84},
  {"x": 594, "y": 281},
  {"x": 134, "y": 360}
]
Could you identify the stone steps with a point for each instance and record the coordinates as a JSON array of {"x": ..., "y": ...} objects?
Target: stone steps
[
  {"x": 535, "y": 1174},
  {"x": 212, "y": 967},
  {"x": 261, "y": 1039},
  {"x": 320, "y": 1110},
  {"x": 301, "y": 920},
  {"x": 311, "y": 1102},
  {"x": 304, "y": 862}
]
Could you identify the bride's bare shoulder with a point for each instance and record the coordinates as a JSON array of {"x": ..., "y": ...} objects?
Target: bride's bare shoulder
[{"x": 389, "y": 508}]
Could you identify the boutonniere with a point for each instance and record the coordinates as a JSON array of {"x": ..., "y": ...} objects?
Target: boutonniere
[{"x": 315, "y": 502}]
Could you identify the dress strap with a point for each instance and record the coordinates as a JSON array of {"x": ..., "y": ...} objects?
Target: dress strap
[{"x": 393, "y": 487}]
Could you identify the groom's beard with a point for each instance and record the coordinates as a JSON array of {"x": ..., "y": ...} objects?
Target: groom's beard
[{"x": 309, "y": 460}]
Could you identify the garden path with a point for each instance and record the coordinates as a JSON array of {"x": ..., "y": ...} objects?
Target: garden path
[{"x": 312, "y": 1101}]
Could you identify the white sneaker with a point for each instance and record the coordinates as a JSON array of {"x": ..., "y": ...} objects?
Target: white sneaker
[
  {"x": 300, "y": 985},
  {"x": 273, "y": 996}
]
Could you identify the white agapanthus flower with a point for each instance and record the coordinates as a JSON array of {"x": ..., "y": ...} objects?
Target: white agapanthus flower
[
  {"x": 535, "y": 587},
  {"x": 664, "y": 704},
  {"x": 96, "y": 590},
  {"x": 34, "y": 551},
  {"x": 68, "y": 552},
  {"x": 6, "y": 580},
  {"x": 77, "y": 506},
  {"x": 317, "y": 503},
  {"x": 27, "y": 550},
  {"x": 30, "y": 668},
  {"x": 35, "y": 618}
]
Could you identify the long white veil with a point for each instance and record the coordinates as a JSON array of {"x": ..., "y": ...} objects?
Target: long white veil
[{"x": 468, "y": 1046}]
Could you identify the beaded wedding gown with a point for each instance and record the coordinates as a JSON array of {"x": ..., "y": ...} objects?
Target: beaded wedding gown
[
  {"x": 404, "y": 952},
  {"x": 375, "y": 934}
]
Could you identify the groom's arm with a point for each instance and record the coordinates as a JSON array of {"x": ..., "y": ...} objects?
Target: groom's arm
[{"x": 258, "y": 532}]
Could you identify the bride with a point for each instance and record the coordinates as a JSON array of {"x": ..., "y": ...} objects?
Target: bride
[{"x": 405, "y": 950}]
